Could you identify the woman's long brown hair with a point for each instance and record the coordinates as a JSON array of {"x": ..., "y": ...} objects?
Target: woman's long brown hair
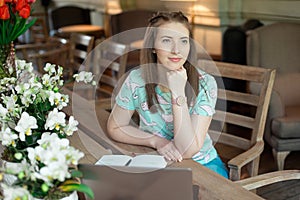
[{"x": 149, "y": 58}]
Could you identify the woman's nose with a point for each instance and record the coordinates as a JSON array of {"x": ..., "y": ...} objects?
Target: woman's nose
[{"x": 175, "y": 49}]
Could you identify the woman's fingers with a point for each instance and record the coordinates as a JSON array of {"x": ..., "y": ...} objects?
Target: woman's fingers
[{"x": 170, "y": 152}]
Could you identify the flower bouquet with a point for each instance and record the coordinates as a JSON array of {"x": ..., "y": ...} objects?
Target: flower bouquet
[
  {"x": 34, "y": 131},
  {"x": 14, "y": 15}
]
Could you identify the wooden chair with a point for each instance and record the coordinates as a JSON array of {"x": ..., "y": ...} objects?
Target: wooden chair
[
  {"x": 243, "y": 129},
  {"x": 107, "y": 62},
  {"x": 67, "y": 15},
  {"x": 39, "y": 30},
  {"x": 269, "y": 178},
  {"x": 110, "y": 60},
  {"x": 54, "y": 51},
  {"x": 80, "y": 46}
]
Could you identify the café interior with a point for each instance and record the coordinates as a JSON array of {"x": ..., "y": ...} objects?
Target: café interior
[{"x": 245, "y": 40}]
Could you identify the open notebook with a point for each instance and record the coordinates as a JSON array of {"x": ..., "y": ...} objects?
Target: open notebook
[{"x": 136, "y": 183}]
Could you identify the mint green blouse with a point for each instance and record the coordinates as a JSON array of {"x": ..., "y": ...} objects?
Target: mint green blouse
[{"x": 132, "y": 96}]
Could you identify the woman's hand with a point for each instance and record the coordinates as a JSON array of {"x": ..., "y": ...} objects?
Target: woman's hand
[
  {"x": 168, "y": 149},
  {"x": 177, "y": 80}
]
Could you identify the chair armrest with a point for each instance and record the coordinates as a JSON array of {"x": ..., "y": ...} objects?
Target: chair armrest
[
  {"x": 268, "y": 178},
  {"x": 244, "y": 158}
]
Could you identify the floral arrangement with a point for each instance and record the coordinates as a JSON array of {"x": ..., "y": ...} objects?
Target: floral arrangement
[
  {"x": 34, "y": 131},
  {"x": 13, "y": 16}
]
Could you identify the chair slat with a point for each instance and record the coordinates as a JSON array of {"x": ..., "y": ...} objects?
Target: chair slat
[
  {"x": 233, "y": 118},
  {"x": 230, "y": 70},
  {"x": 229, "y": 139},
  {"x": 239, "y": 97}
]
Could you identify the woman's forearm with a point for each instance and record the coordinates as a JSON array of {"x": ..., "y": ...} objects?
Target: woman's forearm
[
  {"x": 132, "y": 135},
  {"x": 119, "y": 129},
  {"x": 185, "y": 138}
]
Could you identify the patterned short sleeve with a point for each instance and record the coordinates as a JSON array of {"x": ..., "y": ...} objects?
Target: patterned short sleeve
[
  {"x": 126, "y": 96},
  {"x": 206, "y": 100}
]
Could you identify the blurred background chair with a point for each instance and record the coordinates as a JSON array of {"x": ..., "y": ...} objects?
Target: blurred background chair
[
  {"x": 239, "y": 137},
  {"x": 277, "y": 46},
  {"x": 65, "y": 20},
  {"x": 108, "y": 65},
  {"x": 80, "y": 46},
  {"x": 128, "y": 20},
  {"x": 234, "y": 43},
  {"x": 110, "y": 60},
  {"x": 134, "y": 21},
  {"x": 39, "y": 30},
  {"x": 55, "y": 51},
  {"x": 67, "y": 15}
]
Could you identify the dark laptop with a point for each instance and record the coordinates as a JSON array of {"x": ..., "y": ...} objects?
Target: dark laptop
[{"x": 132, "y": 183}]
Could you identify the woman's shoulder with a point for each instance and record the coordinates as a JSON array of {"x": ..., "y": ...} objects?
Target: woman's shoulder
[
  {"x": 206, "y": 78},
  {"x": 135, "y": 76}
]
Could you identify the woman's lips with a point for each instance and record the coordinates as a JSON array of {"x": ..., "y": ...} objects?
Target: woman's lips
[{"x": 175, "y": 59}]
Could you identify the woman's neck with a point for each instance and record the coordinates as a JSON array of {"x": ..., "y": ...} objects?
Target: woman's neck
[{"x": 162, "y": 78}]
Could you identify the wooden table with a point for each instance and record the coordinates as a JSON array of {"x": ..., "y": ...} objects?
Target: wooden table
[
  {"x": 93, "y": 141},
  {"x": 94, "y": 30}
]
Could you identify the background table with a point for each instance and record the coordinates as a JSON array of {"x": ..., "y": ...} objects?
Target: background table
[{"x": 94, "y": 30}]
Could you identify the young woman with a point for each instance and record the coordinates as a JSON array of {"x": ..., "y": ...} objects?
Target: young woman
[{"x": 175, "y": 100}]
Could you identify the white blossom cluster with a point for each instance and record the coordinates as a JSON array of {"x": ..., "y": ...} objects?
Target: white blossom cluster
[{"x": 31, "y": 107}]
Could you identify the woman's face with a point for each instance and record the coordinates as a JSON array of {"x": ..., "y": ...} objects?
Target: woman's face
[{"x": 172, "y": 45}]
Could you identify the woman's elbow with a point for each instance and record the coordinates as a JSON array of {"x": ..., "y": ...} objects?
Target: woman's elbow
[
  {"x": 111, "y": 128},
  {"x": 191, "y": 151}
]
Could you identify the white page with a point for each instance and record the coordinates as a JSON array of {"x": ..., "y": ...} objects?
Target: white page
[
  {"x": 114, "y": 160},
  {"x": 151, "y": 161}
]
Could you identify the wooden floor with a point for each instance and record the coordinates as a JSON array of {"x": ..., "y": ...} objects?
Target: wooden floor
[{"x": 288, "y": 190}]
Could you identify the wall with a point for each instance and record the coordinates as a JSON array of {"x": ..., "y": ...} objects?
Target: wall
[{"x": 211, "y": 17}]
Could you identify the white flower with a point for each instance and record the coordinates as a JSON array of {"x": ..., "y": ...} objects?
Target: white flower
[
  {"x": 56, "y": 155},
  {"x": 58, "y": 99},
  {"x": 12, "y": 193},
  {"x": 49, "y": 68},
  {"x": 10, "y": 102},
  {"x": 3, "y": 111},
  {"x": 74, "y": 155},
  {"x": 25, "y": 124},
  {"x": 16, "y": 168},
  {"x": 86, "y": 77},
  {"x": 71, "y": 127},
  {"x": 55, "y": 120},
  {"x": 8, "y": 137},
  {"x": 21, "y": 88}
]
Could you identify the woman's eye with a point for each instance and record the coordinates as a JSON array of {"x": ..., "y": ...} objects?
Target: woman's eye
[
  {"x": 184, "y": 41},
  {"x": 166, "y": 40}
]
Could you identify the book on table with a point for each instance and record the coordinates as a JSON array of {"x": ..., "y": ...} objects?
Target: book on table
[{"x": 148, "y": 161}]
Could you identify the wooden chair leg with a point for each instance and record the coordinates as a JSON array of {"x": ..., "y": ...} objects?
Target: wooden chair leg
[
  {"x": 253, "y": 167},
  {"x": 234, "y": 174},
  {"x": 279, "y": 157}
]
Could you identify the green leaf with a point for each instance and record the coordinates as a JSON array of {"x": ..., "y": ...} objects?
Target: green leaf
[
  {"x": 76, "y": 173},
  {"x": 78, "y": 187}
]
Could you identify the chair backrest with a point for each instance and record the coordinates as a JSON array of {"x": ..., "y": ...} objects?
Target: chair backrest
[
  {"x": 68, "y": 15},
  {"x": 240, "y": 128},
  {"x": 80, "y": 46},
  {"x": 109, "y": 61},
  {"x": 56, "y": 56},
  {"x": 39, "y": 30},
  {"x": 128, "y": 20},
  {"x": 275, "y": 46},
  {"x": 54, "y": 51}
]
